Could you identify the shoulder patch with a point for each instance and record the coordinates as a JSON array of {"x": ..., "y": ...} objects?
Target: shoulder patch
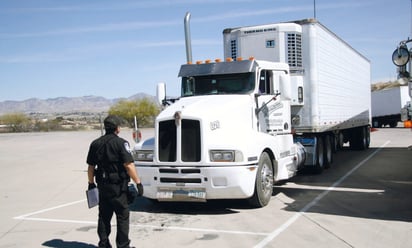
[{"x": 127, "y": 147}]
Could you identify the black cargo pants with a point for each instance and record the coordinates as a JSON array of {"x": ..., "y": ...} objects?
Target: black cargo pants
[{"x": 112, "y": 199}]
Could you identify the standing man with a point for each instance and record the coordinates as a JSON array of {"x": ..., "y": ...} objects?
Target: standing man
[{"x": 111, "y": 162}]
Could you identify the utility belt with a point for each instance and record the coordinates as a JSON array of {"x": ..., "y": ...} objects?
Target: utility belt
[{"x": 104, "y": 177}]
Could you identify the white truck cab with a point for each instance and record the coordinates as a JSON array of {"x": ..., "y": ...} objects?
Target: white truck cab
[{"x": 228, "y": 136}]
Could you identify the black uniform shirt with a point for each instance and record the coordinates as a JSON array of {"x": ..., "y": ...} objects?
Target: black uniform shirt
[{"x": 117, "y": 150}]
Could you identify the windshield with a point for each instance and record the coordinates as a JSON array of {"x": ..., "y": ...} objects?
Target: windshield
[{"x": 241, "y": 83}]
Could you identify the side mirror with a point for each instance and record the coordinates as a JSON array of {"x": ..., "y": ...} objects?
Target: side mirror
[
  {"x": 400, "y": 56},
  {"x": 161, "y": 93}
]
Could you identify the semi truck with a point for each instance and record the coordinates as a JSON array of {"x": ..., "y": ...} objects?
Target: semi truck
[
  {"x": 287, "y": 96},
  {"x": 390, "y": 106}
]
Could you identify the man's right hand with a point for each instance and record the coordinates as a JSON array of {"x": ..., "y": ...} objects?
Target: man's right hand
[{"x": 91, "y": 186}]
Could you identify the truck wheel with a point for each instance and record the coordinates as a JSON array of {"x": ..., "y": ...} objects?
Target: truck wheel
[
  {"x": 264, "y": 182},
  {"x": 320, "y": 158},
  {"x": 360, "y": 138},
  {"x": 363, "y": 142},
  {"x": 368, "y": 137},
  {"x": 328, "y": 152},
  {"x": 341, "y": 140}
]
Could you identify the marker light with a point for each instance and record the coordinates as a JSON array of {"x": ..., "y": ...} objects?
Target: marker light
[{"x": 229, "y": 59}]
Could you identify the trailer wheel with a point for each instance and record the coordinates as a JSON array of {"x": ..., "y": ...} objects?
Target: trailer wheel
[
  {"x": 320, "y": 157},
  {"x": 328, "y": 152},
  {"x": 264, "y": 182},
  {"x": 368, "y": 137},
  {"x": 363, "y": 142},
  {"x": 338, "y": 141},
  {"x": 360, "y": 138}
]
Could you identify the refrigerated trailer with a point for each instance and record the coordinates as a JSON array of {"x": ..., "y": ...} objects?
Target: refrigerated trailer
[
  {"x": 330, "y": 81},
  {"x": 287, "y": 96}
]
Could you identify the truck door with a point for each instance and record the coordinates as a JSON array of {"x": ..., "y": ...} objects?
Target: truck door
[{"x": 273, "y": 113}]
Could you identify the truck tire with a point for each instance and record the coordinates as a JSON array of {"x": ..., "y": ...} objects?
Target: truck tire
[
  {"x": 368, "y": 137},
  {"x": 264, "y": 182},
  {"x": 338, "y": 139},
  {"x": 320, "y": 157},
  {"x": 328, "y": 150},
  {"x": 360, "y": 138}
]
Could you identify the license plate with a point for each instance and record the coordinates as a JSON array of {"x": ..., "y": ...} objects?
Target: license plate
[
  {"x": 165, "y": 195},
  {"x": 181, "y": 195}
]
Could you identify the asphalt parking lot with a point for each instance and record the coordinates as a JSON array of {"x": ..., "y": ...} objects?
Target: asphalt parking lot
[{"x": 364, "y": 200}]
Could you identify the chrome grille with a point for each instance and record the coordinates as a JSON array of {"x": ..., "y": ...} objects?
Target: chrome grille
[{"x": 189, "y": 142}]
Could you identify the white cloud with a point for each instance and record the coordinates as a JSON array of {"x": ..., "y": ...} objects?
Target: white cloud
[
  {"x": 100, "y": 28},
  {"x": 97, "y": 50},
  {"x": 118, "y": 5}
]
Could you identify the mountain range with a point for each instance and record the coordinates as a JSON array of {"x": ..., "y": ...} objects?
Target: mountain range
[{"x": 89, "y": 104}]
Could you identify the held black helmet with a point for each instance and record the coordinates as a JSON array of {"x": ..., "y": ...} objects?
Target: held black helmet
[{"x": 111, "y": 122}]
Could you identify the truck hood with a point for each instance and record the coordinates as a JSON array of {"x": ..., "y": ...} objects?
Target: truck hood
[{"x": 224, "y": 109}]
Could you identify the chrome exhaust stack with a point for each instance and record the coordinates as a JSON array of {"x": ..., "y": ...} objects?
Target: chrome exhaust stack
[{"x": 188, "y": 41}]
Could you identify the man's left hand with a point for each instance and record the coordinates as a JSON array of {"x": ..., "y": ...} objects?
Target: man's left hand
[{"x": 139, "y": 187}]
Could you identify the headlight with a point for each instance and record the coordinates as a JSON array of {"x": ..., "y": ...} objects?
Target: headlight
[
  {"x": 143, "y": 155},
  {"x": 225, "y": 156}
]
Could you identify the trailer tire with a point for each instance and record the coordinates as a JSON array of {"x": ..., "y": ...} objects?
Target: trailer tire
[
  {"x": 338, "y": 141},
  {"x": 328, "y": 151},
  {"x": 264, "y": 182},
  {"x": 320, "y": 157},
  {"x": 360, "y": 138},
  {"x": 368, "y": 137}
]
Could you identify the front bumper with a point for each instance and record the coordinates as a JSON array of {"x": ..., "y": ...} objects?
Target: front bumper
[{"x": 169, "y": 183}]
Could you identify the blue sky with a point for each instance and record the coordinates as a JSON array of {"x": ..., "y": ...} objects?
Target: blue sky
[{"x": 114, "y": 49}]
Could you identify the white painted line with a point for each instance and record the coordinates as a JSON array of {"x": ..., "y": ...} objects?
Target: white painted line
[
  {"x": 48, "y": 209},
  {"x": 296, "y": 216},
  {"x": 202, "y": 230},
  {"x": 60, "y": 220},
  {"x": 291, "y": 185},
  {"x": 27, "y": 217},
  {"x": 205, "y": 230}
]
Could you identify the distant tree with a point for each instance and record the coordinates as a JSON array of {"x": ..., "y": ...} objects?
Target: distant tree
[
  {"x": 144, "y": 109},
  {"x": 18, "y": 122}
]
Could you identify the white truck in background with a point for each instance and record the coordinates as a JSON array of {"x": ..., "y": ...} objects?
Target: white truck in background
[
  {"x": 390, "y": 106},
  {"x": 240, "y": 124}
]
